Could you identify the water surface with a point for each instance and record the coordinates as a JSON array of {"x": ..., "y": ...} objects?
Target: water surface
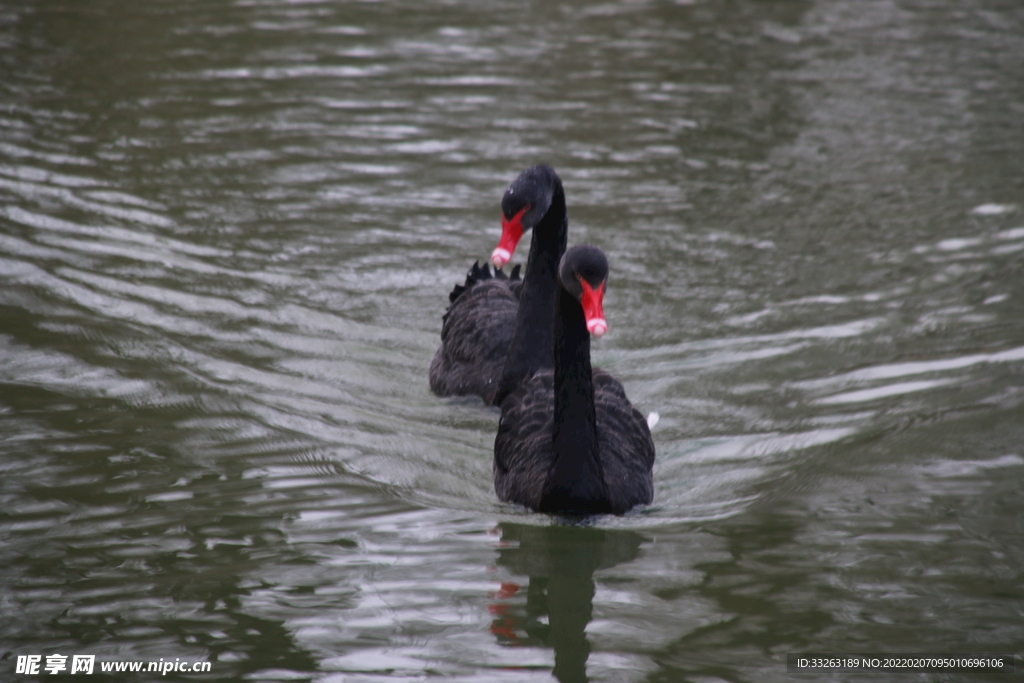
[{"x": 227, "y": 235}]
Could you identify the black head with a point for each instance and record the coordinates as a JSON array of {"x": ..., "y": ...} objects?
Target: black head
[
  {"x": 523, "y": 205},
  {"x": 583, "y": 272},
  {"x": 532, "y": 191}
]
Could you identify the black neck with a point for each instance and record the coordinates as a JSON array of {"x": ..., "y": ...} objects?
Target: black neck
[
  {"x": 533, "y": 339},
  {"x": 575, "y": 482}
]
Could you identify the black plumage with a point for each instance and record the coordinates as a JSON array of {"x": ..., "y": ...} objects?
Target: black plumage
[
  {"x": 569, "y": 440},
  {"x": 475, "y": 333},
  {"x": 490, "y": 340}
]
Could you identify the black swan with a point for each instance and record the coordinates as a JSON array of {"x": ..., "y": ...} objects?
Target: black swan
[
  {"x": 498, "y": 328},
  {"x": 569, "y": 440}
]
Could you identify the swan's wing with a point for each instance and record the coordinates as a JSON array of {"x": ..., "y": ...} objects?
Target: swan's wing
[
  {"x": 522, "y": 447},
  {"x": 515, "y": 284},
  {"x": 478, "y": 273},
  {"x": 626, "y": 446},
  {"x": 475, "y": 336},
  {"x": 514, "y": 275}
]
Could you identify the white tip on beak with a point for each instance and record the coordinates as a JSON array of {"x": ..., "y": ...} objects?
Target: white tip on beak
[
  {"x": 499, "y": 257},
  {"x": 597, "y": 327}
]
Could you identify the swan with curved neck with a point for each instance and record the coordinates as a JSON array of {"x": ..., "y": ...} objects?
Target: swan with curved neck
[
  {"x": 569, "y": 441},
  {"x": 498, "y": 329}
]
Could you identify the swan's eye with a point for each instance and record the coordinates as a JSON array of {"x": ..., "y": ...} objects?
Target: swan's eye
[{"x": 589, "y": 275}]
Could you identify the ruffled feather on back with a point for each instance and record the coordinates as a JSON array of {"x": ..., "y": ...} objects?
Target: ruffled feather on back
[{"x": 476, "y": 332}]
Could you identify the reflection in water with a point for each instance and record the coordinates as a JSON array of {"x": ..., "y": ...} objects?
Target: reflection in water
[{"x": 560, "y": 561}]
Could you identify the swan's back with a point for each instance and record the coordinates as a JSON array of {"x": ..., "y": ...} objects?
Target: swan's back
[
  {"x": 625, "y": 445},
  {"x": 475, "y": 334},
  {"x": 523, "y": 446}
]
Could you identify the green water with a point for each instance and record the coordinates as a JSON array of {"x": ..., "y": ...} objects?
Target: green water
[{"x": 227, "y": 235}]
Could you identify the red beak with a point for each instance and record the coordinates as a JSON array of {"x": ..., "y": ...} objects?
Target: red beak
[
  {"x": 593, "y": 308},
  {"x": 511, "y": 233}
]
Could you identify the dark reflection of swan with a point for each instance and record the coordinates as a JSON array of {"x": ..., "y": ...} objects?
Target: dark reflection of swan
[{"x": 560, "y": 562}]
